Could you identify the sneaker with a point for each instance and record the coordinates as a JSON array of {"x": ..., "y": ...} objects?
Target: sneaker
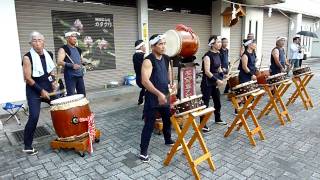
[
  {"x": 144, "y": 158},
  {"x": 30, "y": 151},
  {"x": 170, "y": 142},
  {"x": 206, "y": 129},
  {"x": 221, "y": 122}
]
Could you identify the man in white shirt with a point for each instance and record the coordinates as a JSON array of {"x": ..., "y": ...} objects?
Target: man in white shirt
[{"x": 295, "y": 51}]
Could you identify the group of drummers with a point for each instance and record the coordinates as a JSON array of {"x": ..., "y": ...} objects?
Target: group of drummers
[
  {"x": 40, "y": 76},
  {"x": 154, "y": 73}
]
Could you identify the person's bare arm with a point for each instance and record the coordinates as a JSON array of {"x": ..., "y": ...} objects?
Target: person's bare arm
[
  {"x": 27, "y": 73},
  {"x": 62, "y": 56},
  {"x": 275, "y": 55},
  {"x": 244, "y": 60},
  {"x": 170, "y": 74},
  {"x": 146, "y": 71},
  {"x": 206, "y": 61}
]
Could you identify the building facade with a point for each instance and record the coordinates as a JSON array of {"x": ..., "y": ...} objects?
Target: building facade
[{"x": 109, "y": 31}]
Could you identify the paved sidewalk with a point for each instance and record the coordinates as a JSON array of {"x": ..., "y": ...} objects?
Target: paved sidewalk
[{"x": 289, "y": 152}]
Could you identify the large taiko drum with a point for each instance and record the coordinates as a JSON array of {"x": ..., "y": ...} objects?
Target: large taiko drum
[
  {"x": 66, "y": 115},
  {"x": 233, "y": 81},
  {"x": 262, "y": 75},
  {"x": 181, "y": 43}
]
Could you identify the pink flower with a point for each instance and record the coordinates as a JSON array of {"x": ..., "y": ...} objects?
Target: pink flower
[
  {"x": 103, "y": 44},
  {"x": 77, "y": 26},
  {"x": 88, "y": 41}
]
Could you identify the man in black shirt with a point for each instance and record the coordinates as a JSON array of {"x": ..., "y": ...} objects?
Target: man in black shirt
[
  {"x": 137, "y": 59},
  {"x": 224, "y": 56},
  {"x": 38, "y": 71}
]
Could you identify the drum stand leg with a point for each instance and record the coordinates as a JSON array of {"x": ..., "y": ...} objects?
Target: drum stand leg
[
  {"x": 80, "y": 146},
  {"x": 301, "y": 91},
  {"x": 282, "y": 89},
  {"x": 191, "y": 121},
  {"x": 275, "y": 94},
  {"x": 241, "y": 118}
]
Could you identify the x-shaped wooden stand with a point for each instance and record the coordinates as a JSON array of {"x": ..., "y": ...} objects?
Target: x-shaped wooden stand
[
  {"x": 275, "y": 92},
  {"x": 186, "y": 146},
  {"x": 244, "y": 112},
  {"x": 301, "y": 91}
]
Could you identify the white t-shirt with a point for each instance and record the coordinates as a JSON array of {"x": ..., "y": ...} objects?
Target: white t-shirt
[{"x": 294, "y": 51}]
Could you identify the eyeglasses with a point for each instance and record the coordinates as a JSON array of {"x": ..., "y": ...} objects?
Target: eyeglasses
[{"x": 37, "y": 40}]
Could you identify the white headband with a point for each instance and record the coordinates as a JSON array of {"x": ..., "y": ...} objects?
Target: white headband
[
  {"x": 281, "y": 37},
  {"x": 71, "y": 33},
  {"x": 213, "y": 41},
  {"x": 156, "y": 39},
  {"x": 248, "y": 42},
  {"x": 139, "y": 45}
]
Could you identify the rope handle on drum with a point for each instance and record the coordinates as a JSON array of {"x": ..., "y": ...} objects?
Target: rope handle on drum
[{"x": 181, "y": 27}]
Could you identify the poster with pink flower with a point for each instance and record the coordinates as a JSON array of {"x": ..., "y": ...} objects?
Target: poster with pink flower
[{"x": 96, "y": 36}]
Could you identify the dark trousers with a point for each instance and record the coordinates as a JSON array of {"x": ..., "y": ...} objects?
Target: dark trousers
[
  {"x": 141, "y": 95},
  {"x": 147, "y": 130},
  {"x": 227, "y": 88},
  {"x": 34, "y": 102},
  {"x": 300, "y": 62},
  {"x": 214, "y": 92},
  {"x": 74, "y": 85}
]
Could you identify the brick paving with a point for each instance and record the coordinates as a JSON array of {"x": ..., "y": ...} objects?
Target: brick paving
[{"x": 291, "y": 151}]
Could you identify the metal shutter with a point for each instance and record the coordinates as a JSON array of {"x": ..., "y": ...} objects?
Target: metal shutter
[
  {"x": 235, "y": 41},
  {"x": 160, "y": 22},
  {"x": 276, "y": 25},
  {"x": 36, "y": 15}
]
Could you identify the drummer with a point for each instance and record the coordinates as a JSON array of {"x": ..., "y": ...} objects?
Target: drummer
[
  {"x": 247, "y": 68},
  {"x": 224, "y": 54},
  {"x": 137, "y": 59},
  {"x": 278, "y": 57},
  {"x": 250, "y": 36},
  {"x": 212, "y": 79},
  {"x": 38, "y": 71},
  {"x": 70, "y": 57},
  {"x": 155, "y": 77}
]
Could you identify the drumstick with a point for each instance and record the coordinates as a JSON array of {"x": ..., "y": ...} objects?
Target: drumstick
[
  {"x": 228, "y": 75},
  {"x": 57, "y": 92}
]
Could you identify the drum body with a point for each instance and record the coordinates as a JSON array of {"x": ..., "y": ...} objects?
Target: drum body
[
  {"x": 66, "y": 113},
  {"x": 181, "y": 43},
  {"x": 246, "y": 88},
  {"x": 188, "y": 104},
  {"x": 233, "y": 81},
  {"x": 301, "y": 71},
  {"x": 277, "y": 78},
  {"x": 262, "y": 76}
]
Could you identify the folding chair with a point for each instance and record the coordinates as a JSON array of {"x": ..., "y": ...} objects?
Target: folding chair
[{"x": 13, "y": 109}]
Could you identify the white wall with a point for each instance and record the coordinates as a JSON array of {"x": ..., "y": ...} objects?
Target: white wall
[
  {"x": 316, "y": 46},
  {"x": 217, "y": 20},
  {"x": 308, "y": 7},
  {"x": 11, "y": 76},
  {"x": 255, "y": 15},
  {"x": 307, "y": 25}
]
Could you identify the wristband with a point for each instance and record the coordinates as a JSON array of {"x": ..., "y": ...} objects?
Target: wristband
[
  {"x": 213, "y": 78},
  {"x": 68, "y": 65},
  {"x": 36, "y": 87}
]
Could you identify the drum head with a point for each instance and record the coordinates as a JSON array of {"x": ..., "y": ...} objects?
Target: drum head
[
  {"x": 67, "y": 99},
  {"x": 173, "y": 43}
]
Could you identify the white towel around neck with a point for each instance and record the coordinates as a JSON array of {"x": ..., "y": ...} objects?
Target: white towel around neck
[{"x": 37, "y": 65}]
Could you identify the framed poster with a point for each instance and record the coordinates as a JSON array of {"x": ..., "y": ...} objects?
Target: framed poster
[{"x": 96, "y": 36}]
